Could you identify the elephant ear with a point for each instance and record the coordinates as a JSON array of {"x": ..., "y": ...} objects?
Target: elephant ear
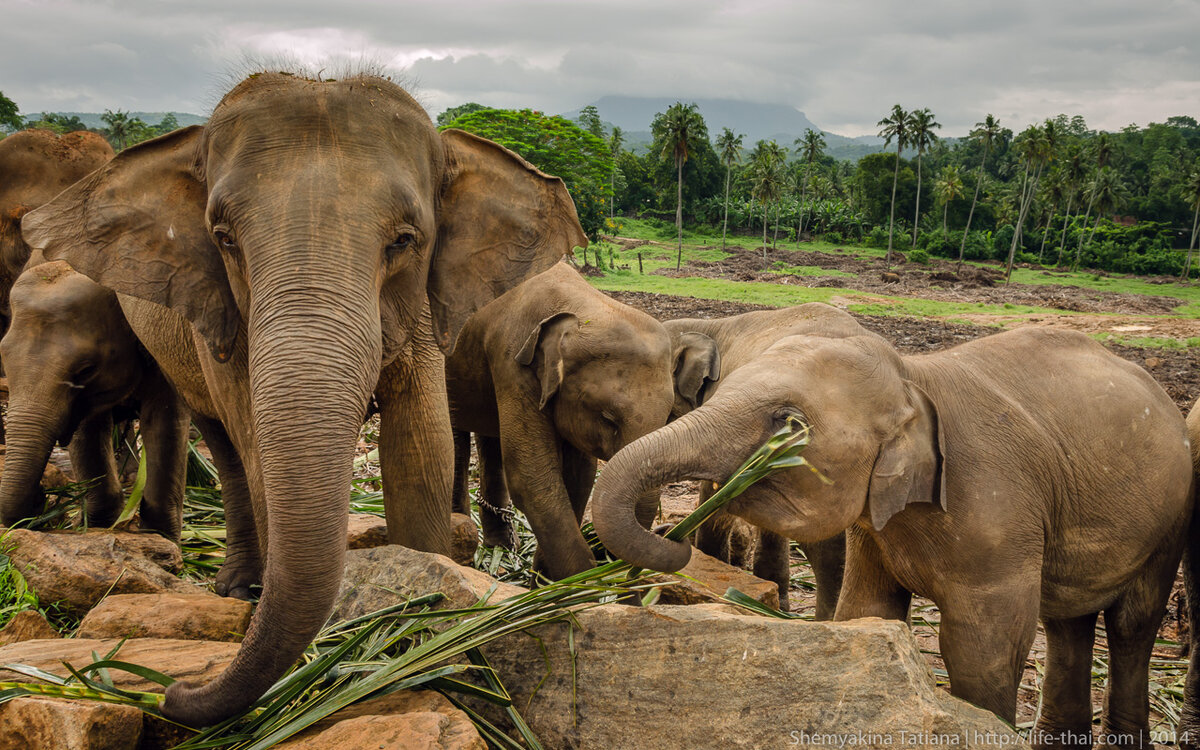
[
  {"x": 697, "y": 362},
  {"x": 909, "y": 467},
  {"x": 543, "y": 352},
  {"x": 500, "y": 221},
  {"x": 137, "y": 226}
]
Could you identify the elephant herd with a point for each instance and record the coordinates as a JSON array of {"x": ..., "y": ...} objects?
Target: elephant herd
[{"x": 319, "y": 245}]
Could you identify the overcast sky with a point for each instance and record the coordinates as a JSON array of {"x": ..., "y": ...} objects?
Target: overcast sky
[{"x": 844, "y": 63}]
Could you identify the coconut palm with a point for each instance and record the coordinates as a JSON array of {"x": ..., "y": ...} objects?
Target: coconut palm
[
  {"x": 1191, "y": 193},
  {"x": 1102, "y": 147},
  {"x": 729, "y": 148},
  {"x": 986, "y": 132},
  {"x": 812, "y": 145},
  {"x": 1072, "y": 175},
  {"x": 677, "y": 133},
  {"x": 948, "y": 188},
  {"x": 895, "y": 126},
  {"x": 616, "y": 139},
  {"x": 767, "y": 180},
  {"x": 1035, "y": 146},
  {"x": 921, "y": 137},
  {"x": 118, "y": 130},
  {"x": 1107, "y": 193}
]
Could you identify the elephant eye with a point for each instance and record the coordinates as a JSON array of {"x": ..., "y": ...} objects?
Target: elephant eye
[
  {"x": 403, "y": 241},
  {"x": 224, "y": 240}
]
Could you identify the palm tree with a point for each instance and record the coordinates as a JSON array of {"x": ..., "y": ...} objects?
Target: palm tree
[
  {"x": 616, "y": 139},
  {"x": 986, "y": 131},
  {"x": 895, "y": 126},
  {"x": 949, "y": 187},
  {"x": 1035, "y": 147},
  {"x": 118, "y": 127},
  {"x": 1072, "y": 177},
  {"x": 921, "y": 137},
  {"x": 1191, "y": 192},
  {"x": 1102, "y": 146},
  {"x": 812, "y": 145},
  {"x": 766, "y": 173},
  {"x": 1107, "y": 194},
  {"x": 677, "y": 133},
  {"x": 729, "y": 147}
]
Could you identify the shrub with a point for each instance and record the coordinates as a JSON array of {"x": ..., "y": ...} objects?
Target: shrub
[{"x": 918, "y": 255}]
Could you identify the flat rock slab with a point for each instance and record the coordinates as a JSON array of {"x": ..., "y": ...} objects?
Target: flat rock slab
[
  {"x": 706, "y": 579},
  {"x": 385, "y": 576},
  {"x": 699, "y": 676},
  {"x": 193, "y": 617},
  {"x": 365, "y": 531},
  {"x": 26, "y": 626},
  {"x": 408, "y": 719},
  {"x": 182, "y": 660},
  {"x": 78, "y": 569},
  {"x": 51, "y": 724}
]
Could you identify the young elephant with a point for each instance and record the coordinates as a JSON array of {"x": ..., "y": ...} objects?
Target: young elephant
[
  {"x": 71, "y": 360},
  {"x": 740, "y": 340},
  {"x": 551, "y": 376},
  {"x": 1023, "y": 475}
]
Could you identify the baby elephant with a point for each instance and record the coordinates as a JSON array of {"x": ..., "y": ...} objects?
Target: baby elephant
[
  {"x": 550, "y": 377},
  {"x": 1023, "y": 475},
  {"x": 71, "y": 359}
]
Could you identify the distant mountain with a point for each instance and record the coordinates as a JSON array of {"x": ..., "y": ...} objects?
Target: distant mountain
[
  {"x": 92, "y": 119},
  {"x": 758, "y": 121}
]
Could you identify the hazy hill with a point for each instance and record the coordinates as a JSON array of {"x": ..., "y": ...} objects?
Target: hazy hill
[
  {"x": 758, "y": 121},
  {"x": 92, "y": 119}
]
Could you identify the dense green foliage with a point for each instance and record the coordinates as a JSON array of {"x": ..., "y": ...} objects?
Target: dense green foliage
[
  {"x": 9, "y": 117},
  {"x": 556, "y": 146}
]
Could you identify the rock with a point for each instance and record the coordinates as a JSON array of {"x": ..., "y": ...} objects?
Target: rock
[
  {"x": 192, "y": 617},
  {"x": 52, "y": 477},
  {"x": 408, "y": 719},
  {"x": 464, "y": 538},
  {"x": 889, "y": 277},
  {"x": 1153, "y": 363},
  {"x": 51, "y": 724},
  {"x": 77, "y": 569},
  {"x": 183, "y": 660},
  {"x": 742, "y": 682},
  {"x": 26, "y": 626},
  {"x": 705, "y": 579},
  {"x": 366, "y": 530},
  {"x": 385, "y": 576}
]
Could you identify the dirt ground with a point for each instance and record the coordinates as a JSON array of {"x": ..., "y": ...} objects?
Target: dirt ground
[{"x": 1177, "y": 370}]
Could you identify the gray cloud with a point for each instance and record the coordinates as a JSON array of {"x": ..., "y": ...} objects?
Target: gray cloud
[{"x": 844, "y": 64}]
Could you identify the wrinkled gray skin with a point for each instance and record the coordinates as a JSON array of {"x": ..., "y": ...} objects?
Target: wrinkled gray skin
[
  {"x": 1027, "y": 474},
  {"x": 741, "y": 339},
  {"x": 296, "y": 233},
  {"x": 550, "y": 377},
  {"x": 1189, "y": 723},
  {"x": 71, "y": 360}
]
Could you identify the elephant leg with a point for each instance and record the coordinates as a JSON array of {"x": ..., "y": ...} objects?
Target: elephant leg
[
  {"x": 460, "y": 500},
  {"x": 828, "y": 561},
  {"x": 868, "y": 589},
  {"x": 712, "y": 537},
  {"x": 1065, "y": 718},
  {"x": 495, "y": 509},
  {"x": 416, "y": 446},
  {"x": 984, "y": 642},
  {"x": 243, "y": 562},
  {"x": 164, "y": 424},
  {"x": 579, "y": 474},
  {"x": 92, "y": 458},
  {"x": 771, "y": 563},
  {"x": 1132, "y": 626}
]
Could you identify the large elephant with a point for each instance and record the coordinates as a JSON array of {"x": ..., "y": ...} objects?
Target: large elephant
[
  {"x": 71, "y": 361},
  {"x": 300, "y": 233},
  {"x": 740, "y": 340},
  {"x": 1189, "y": 723},
  {"x": 1027, "y": 474},
  {"x": 550, "y": 377}
]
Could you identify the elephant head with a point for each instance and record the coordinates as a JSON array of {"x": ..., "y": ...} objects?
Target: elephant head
[
  {"x": 312, "y": 218},
  {"x": 68, "y": 350},
  {"x": 874, "y": 437}
]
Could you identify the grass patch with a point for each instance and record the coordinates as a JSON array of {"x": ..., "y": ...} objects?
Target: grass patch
[{"x": 1148, "y": 342}]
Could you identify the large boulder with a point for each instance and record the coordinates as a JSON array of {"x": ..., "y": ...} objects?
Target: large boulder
[
  {"x": 407, "y": 719},
  {"x": 183, "y": 660},
  {"x": 76, "y": 569},
  {"x": 190, "y": 616},
  {"x": 27, "y": 625},
  {"x": 365, "y": 530},
  {"x": 706, "y": 579},
  {"x": 49, "y": 724},
  {"x": 464, "y": 538}
]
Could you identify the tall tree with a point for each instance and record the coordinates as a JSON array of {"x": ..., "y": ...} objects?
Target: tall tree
[
  {"x": 119, "y": 128},
  {"x": 1073, "y": 172},
  {"x": 1191, "y": 193},
  {"x": 922, "y": 125},
  {"x": 948, "y": 188},
  {"x": 1035, "y": 146},
  {"x": 616, "y": 139},
  {"x": 10, "y": 119},
  {"x": 729, "y": 148},
  {"x": 897, "y": 127},
  {"x": 811, "y": 146},
  {"x": 1107, "y": 194},
  {"x": 985, "y": 132},
  {"x": 766, "y": 172},
  {"x": 677, "y": 133},
  {"x": 589, "y": 120},
  {"x": 1102, "y": 148}
]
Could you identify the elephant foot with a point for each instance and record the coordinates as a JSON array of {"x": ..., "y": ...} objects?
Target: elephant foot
[
  {"x": 29, "y": 507},
  {"x": 499, "y": 536},
  {"x": 236, "y": 578}
]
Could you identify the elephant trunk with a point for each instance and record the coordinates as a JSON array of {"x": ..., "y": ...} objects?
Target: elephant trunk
[
  {"x": 685, "y": 449},
  {"x": 34, "y": 424},
  {"x": 311, "y": 373}
]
